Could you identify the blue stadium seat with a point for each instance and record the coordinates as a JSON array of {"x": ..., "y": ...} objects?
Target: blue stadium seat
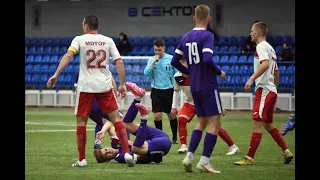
[
  {"x": 236, "y": 51},
  {"x": 278, "y": 49},
  {"x": 30, "y": 59},
  {"x": 250, "y": 58},
  {"x": 243, "y": 69},
  {"x": 35, "y": 79},
  {"x": 45, "y": 59},
  {"x": 46, "y": 50},
  {"x": 232, "y": 40},
  {"x": 69, "y": 69},
  {"x": 52, "y": 68},
  {"x": 137, "y": 41},
  {"x": 36, "y": 68},
  {"x": 233, "y": 58},
  {"x": 223, "y": 40},
  {"x": 144, "y": 51},
  {"x": 33, "y": 41},
  {"x": 241, "y": 40},
  {"x": 76, "y": 59},
  {"x": 28, "y": 68},
  {"x": 278, "y": 40},
  {"x": 44, "y": 69},
  {"x": 54, "y": 59},
  {"x": 30, "y": 50},
  {"x": 38, "y": 51},
  {"x": 270, "y": 40},
  {"x": 222, "y": 50},
  {"x": 48, "y": 42},
  {"x": 27, "y": 41},
  {"x": 62, "y": 50},
  {"x": 146, "y": 41},
  {"x": 27, "y": 79},
  {"x": 172, "y": 40},
  {"x": 216, "y": 58},
  {"x": 224, "y": 58},
  {"x": 38, "y": 59},
  {"x": 40, "y": 41},
  {"x": 242, "y": 58},
  {"x": 56, "y": 41},
  {"x": 288, "y": 40},
  {"x": 54, "y": 50},
  {"x": 215, "y": 49}
]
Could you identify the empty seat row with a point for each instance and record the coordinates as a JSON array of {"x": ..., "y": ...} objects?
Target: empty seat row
[{"x": 170, "y": 40}]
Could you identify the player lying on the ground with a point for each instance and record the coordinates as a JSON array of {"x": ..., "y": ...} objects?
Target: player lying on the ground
[
  {"x": 188, "y": 111},
  {"x": 97, "y": 116},
  {"x": 150, "y": 145},
  {"x": 289, "y": 125}
]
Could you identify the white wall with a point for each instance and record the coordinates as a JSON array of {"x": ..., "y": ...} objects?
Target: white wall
[{"x": 64, "y": 18}]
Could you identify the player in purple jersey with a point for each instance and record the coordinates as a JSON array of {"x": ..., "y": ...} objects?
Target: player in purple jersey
[
  {"x": 99, "y": 117},
  {"x": 150, "y": 145},
  {"x": 197, "y": 47}
]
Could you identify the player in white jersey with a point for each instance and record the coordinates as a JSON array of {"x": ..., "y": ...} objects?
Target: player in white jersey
[
  {"x": 266, "y": 76},
  {"x": 95, "y": 82},
  {"x": 188, "y": 111}
]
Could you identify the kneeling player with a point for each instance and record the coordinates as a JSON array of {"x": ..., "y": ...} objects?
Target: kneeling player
[{"x": 150, "y": 145}]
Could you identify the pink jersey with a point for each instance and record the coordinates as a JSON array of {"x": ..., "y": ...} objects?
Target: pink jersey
[
  {"x": 265, "y": 52},
  {"x": 95, "y": 51}
]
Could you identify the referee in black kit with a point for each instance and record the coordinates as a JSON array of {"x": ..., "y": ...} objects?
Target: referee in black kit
[{"x": 160, "y": 70}]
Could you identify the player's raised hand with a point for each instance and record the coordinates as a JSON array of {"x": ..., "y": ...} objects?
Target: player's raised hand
[
  {"x": 223, "y": 76},
  {"x": 122, "y": 91},
  {"x": 52, "y": 81},
  {"x": 100, "y": 135}
]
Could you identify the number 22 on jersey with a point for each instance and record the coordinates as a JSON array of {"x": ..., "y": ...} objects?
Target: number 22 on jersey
[
  {"x": 92, "y": 55},
  {"x": 193, "y": 52}
]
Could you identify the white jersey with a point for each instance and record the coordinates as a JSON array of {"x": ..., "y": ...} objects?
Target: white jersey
[
  {"x": 265, "y": 52},
  {"x": 95, "y": 51},
  {"x": 184, "y": 86}
]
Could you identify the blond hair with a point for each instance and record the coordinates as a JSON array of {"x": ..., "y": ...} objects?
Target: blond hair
[
  {"x": 262, "y": 27},
  {"x": 202, "y": 12}
]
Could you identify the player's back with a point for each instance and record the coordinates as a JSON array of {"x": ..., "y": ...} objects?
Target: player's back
[
  {"x": 265, "y": 51},
  {"x": 95, "y": 51},
  {"x": 193, "y": 45}
]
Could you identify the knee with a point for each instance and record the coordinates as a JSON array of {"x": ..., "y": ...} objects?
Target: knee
[
  {"x": 158, "y": 116},
  {"x": 182, "y": 121},
  {"x": 256, "y": 126}
]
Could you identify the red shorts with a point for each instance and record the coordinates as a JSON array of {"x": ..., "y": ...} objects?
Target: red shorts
[
  {"x": 106, "y": 100},
  {"x": 187, "y": 111},
  {"x": 264, "y": 103}
]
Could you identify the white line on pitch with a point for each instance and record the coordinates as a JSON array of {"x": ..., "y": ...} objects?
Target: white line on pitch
[
  {"x": 66, "y": 130},
  {"x": 55, "y": 124}
]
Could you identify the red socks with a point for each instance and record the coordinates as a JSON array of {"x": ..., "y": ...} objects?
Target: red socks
[
  {"x": 183, "y": 130},
  {"x": 225, "y": 136},
  {"x": 81, "y": 141},
  {"x": 122, "y": 135},
  {"x": 275, "y": 133},
  {"x": 254, "y": 144}
]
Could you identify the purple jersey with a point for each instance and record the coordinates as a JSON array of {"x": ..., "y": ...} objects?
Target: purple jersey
[
  {"x": 197, "y": 47},
  {"x": 159, "y": 145}
]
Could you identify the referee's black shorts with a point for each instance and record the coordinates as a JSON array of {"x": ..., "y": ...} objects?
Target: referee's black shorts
[{"x": 161, "y": 100}]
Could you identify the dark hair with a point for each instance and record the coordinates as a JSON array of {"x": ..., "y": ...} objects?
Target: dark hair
[
  {"x": 159, "y": 42},
  {"x": 92, "y": 22}
]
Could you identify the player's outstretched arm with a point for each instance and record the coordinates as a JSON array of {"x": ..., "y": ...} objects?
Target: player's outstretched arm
[{"x": 276, "y": 78}]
